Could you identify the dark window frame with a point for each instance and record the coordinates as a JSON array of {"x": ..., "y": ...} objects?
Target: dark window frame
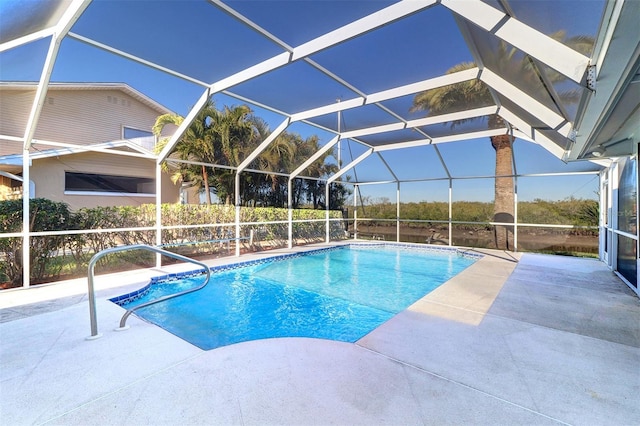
[{"x": 105, "y": 184}]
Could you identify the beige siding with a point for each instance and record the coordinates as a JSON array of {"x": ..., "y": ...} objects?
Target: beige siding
[
  {"x": 88, "y": 117},
  {"x": 48, "y": 176},
  {"x": 81, "y": 117},
  {"x": 14, "y": 112}
]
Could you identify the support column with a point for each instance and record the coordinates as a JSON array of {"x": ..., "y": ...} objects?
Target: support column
[
  {"x": 26, "y": 195},
  {"x": 290, "y": 213},
  {"x": 398, "y": 212},
  {"x": 237, "y": 203},
  {"x": 355, "y": 212},
  {"x": 30, "y": 129},
  {"x": 65, "y": 23},
  {"x": 450, "y": 211},
  {"x": 515, "y": 192},
  {"x": 515, "y": 214},
  {"x": 158, "y": 212},
  {"x": 326, "y": 202}
]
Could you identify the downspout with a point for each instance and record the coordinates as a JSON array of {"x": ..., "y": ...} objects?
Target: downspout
[{"x": 515, "y": 214}]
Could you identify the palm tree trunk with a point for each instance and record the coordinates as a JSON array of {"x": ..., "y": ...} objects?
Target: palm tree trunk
[
  {"x": 205, "y": 178},
  {"x": 504, "y": 192}
]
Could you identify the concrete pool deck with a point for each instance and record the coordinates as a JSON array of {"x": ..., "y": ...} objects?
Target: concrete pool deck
[{"x": 513, "y": 339}]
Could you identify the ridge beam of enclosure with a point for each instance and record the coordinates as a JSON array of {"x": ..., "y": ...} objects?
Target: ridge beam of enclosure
[
  {"x": 524, "y": 131},
  {"x": 337, "y": 36},
  {"x": 442, "y": 118},
  {"x": 396, "y": 92},
  {"x": 556, "y": 55},
  {"x": 347, "y": 32},
  {"x": 546, "y": 115}
]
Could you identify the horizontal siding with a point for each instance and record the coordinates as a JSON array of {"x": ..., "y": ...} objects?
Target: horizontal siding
[
  {"x": 82, "y": 117},
  {"x": 88, "y": 117},
  {"x": 9, "y": 147},
  {"x": 15, "y": 106}
]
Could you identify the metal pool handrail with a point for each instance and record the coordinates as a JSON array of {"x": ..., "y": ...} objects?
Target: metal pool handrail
[{"x": 92, "y": 295}]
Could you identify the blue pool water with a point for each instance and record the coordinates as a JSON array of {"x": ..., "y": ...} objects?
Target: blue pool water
[{"x": 339, "y": 294}]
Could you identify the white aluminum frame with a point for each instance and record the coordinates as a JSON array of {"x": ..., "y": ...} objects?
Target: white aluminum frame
[{"x": 541, "y": 47}]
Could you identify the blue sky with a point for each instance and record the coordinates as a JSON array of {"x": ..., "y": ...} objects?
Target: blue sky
[{"x": 210, "y": 52}]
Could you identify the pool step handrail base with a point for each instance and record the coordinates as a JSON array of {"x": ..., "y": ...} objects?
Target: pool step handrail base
[{"x": 92, "y": 294}]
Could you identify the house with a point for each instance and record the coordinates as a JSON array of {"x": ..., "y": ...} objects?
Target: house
[{"x": 93, "y": 145}]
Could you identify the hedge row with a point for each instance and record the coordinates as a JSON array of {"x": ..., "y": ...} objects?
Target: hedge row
[{"x": 46, "y": 215}]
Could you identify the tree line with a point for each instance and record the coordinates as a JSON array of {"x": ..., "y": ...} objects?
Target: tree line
[{"x": 226, "y": 137}]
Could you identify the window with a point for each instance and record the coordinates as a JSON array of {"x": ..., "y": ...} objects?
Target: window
[
  {"x": 131, "y": 133},
  {"x": 627, "y": 264},
  {"x": 108, "y": 184},
  {"x": 141, "y": 137},
  {"x": 627, "y": 197}
]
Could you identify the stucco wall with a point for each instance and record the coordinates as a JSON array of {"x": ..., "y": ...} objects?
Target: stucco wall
[{"x": 49, "y": 175}]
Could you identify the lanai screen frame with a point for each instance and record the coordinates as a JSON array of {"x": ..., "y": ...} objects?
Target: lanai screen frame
[{"x": 539, "y": 46}]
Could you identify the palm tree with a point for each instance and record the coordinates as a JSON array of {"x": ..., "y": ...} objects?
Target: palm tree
[
  {"x": 473, "y": 94},
  {"x": 196, "y": 144},
  {"x": 233, "y": 130},
  {"x": 279, "y": 157},
  {"x": 227, "y": 137},
  {"x": 214, "y": 137},
  {"x": 469, "y": 94},
  {"x": 315, "y": 189}
]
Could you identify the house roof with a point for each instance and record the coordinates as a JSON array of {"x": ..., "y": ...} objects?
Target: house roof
[{"x": 353, "y": 68}]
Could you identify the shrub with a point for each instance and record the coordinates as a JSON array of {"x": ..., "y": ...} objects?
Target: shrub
[
  {"x": 51, "y": 254},
  {"x": 45, "y": 215}
]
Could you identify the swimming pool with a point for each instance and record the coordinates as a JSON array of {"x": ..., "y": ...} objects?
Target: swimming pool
[{"x": 340, "y": 293}]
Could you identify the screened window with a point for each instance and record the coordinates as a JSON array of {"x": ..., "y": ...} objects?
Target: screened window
[{"x": 98, "y": 183}]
